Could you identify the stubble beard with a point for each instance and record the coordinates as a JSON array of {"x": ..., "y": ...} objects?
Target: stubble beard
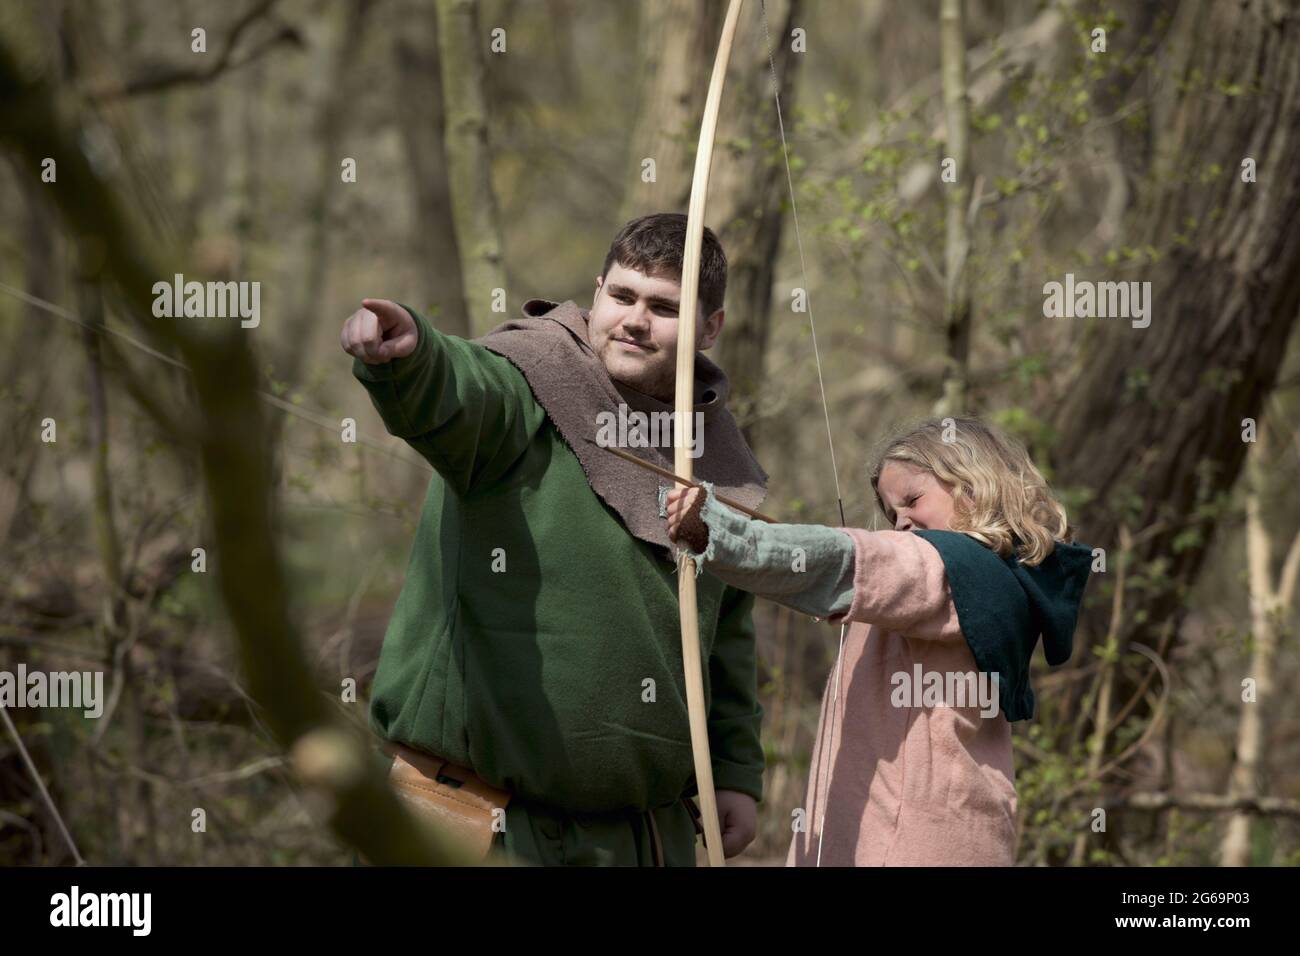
[{"x": 656, "y": 382}]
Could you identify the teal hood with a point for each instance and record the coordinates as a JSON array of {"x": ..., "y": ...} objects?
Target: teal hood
[{"x": 1005, "y": 606}]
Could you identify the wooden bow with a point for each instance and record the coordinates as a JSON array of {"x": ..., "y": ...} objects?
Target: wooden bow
[{"x": 685, "y": 406}]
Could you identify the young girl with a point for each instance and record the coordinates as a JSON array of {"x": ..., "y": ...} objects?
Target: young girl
[{"x": 912, "y": 764}]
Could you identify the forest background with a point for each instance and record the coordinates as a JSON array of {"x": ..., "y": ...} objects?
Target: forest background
[{"x": 498, "y": 145}]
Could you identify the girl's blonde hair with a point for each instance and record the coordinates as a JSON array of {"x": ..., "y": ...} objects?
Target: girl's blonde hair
[{"x": 999, "y": 497}]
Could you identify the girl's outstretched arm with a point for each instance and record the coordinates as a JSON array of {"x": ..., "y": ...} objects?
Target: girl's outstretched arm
[
  {"x": 803, "y": 566},
  {"x": 893, "y": 579}
]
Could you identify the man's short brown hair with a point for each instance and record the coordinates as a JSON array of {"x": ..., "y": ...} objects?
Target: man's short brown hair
[{"x": 653, "y": 245}]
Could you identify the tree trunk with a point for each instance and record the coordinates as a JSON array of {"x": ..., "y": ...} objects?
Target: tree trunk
[
  {"x": 106, "y": 537},
  {"x": 1269, "y": 603},
  {"x": 423, "y": 126},
  {"x": 1152, "y": 420},
  {"x": 19, "y": 451},
  {"x": 331, "y": 121},
  {"x": 749, "y": 201},
  {"x": 676, "y": 50},
  {"x": 956, "y": 200},
  {"x": 469, "y": 157}
]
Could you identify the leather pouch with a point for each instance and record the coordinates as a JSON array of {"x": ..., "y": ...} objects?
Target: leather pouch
[{"x": 452, "y": 798}]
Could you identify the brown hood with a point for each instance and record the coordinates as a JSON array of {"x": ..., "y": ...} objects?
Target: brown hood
[{"x": 551, "y": 347}]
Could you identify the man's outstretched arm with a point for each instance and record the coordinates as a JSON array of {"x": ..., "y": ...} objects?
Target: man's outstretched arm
[{"x": 468, "y": 411}]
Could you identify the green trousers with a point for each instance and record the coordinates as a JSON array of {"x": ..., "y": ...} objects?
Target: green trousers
[{"x": 546, "y": 836}]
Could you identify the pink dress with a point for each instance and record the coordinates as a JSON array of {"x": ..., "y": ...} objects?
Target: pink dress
[{"x": 914, "y": 785}]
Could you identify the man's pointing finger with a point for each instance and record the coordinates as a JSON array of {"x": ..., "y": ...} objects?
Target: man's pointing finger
[{"x": 390, "y": 314}]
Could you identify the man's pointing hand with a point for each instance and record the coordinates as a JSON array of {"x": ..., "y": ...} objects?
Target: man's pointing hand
[{"x": 379, "y": 331}]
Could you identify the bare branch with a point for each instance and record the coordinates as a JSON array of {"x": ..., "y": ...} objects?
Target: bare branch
[
  {"x": 1207, "y": 803},
  {"x": 1290, "y": 571},
  {"x": 162, "y": 76}
]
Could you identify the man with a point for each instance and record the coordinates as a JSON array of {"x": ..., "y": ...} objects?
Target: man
[{"x": 536, "y": 643}]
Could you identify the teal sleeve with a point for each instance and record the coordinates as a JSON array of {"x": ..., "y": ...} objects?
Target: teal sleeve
[
  {"x": 735, "y": 715},
  {"x": 805, "y": 567},
  {"x": 467, "y": 410}
]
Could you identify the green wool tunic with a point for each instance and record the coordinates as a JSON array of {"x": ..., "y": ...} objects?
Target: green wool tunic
[{"x": 535, "y": 640}]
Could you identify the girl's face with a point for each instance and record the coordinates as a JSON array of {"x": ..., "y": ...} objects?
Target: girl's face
[{"x": 917, "y": 499}]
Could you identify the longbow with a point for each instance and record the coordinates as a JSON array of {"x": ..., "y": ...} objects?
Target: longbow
[{"x": 684, "y": 406}]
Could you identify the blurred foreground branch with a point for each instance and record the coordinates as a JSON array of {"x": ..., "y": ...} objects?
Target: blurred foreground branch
[{"x": 329, "y": 757}]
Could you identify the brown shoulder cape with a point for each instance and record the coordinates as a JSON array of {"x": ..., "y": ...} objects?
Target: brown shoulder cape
[{"x": 550, "y": 346}]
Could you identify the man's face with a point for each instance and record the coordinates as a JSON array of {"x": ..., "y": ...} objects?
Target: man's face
[{"x": 634, "y": 329}]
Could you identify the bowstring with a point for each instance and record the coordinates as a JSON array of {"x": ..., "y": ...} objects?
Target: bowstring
[{"x": 826, "y": 414}]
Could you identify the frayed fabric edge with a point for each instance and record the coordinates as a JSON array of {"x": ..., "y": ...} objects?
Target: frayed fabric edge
[{"x": 681, "y": 552}]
